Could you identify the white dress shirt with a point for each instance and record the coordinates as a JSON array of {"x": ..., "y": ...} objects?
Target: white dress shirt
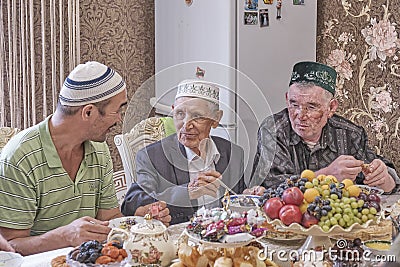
[{"x": 209, "y": 156}]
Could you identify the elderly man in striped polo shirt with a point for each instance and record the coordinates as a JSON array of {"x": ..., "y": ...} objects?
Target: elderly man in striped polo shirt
[{"x": 56, "y": 187}]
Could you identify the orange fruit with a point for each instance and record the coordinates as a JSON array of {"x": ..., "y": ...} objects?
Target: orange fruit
[
  {"x": 309, "y": 174},
  {"x": 310, "y": 194},
  {"x": 354, "y": 190}
]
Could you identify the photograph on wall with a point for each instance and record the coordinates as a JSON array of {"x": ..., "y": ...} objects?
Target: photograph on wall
[
  {"x": 250, "y": 18},
  {"x": 251, "y": 5},
  {"x": 264, "y": 18},
  {"x": 268, "y": 2},
  {"x": 298, "y": 2}
]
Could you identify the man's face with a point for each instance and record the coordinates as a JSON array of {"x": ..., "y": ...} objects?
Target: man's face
[
  {"x": 113, "y": 113},
  {"x": 309, "y": 110},
  {"x": 193, "y": 120}
]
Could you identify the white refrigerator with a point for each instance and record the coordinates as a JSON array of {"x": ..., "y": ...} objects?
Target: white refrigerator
[{"x": 242, "y": 46}]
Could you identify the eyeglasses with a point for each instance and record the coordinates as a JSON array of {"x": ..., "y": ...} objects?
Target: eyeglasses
[
  {"x": 308, "y": 109},
  {"x": 197, "y": 118}
]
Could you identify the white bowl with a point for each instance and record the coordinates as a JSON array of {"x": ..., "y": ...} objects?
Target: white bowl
[
  {"x": 242, "y": 203},
  {"x": 10, "y": 259}
]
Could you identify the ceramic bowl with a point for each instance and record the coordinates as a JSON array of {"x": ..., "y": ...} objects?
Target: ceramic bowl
[{"x": 10, "y": 259}]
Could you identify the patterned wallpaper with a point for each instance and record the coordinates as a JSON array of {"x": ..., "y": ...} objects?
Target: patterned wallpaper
[
  {"x": 360, "y": 40},
  {"x": 120, "y": 33}
]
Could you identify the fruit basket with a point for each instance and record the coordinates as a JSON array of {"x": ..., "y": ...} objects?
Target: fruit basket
[
  {"x": 316, "y": 230},
  {"x": 316, "y": 236},
  {"x": 320, "y": 206}
]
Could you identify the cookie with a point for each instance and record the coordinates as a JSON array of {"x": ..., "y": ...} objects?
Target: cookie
[{"x": 60, "y": 261}]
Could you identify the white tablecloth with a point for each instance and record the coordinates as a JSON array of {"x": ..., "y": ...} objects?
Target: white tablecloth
[{"x": 44, "y": 259}]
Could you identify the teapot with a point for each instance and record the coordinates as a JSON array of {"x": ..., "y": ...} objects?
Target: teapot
[{"x": 148, "y": 242}]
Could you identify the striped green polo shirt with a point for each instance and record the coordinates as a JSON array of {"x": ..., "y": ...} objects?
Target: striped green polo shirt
[{"x": 37, "y": 193}]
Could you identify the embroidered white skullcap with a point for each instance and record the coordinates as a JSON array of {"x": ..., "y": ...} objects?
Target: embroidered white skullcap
[
  {"x": 198, "y": 88},
  {"x": 91, "y": 82}
]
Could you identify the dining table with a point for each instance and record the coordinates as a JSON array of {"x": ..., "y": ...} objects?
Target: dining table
[{"x": 175, "y": 231}]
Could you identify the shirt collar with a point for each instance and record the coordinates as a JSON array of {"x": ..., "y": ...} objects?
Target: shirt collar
[
  {"x": 212, "y": 153},
  {"x": 50, "y": 151}
]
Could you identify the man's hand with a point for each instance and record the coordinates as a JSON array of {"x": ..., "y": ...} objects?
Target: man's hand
[
  {"x": 377, "y": 175},
  {"x": 255, "y": 190},
  {"x": 70, "y": 235},
  {"x": 207, "y": 183},
  {"x": 84, "y": 229},
  {"x": 4, "y": 245},
  {"x": 158, "y": 210},
  {"x": 343, "y": 167}
]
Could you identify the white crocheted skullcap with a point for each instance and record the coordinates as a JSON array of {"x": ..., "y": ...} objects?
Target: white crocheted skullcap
[
  {"x": 198, "y": 88},
  {"x": 89, "y": 83}
]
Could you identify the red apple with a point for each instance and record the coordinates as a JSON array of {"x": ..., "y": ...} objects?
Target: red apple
[
  {"x": 293, "y": 195},
  {"x": 289, "y": 214},
  {"x": 272, "y": 207},
  {"x": 308, "y": 219}
]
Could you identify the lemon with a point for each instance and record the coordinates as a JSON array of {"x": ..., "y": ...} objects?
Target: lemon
[
  {"x": 354, "y": 190},
  {"x": 309, "y": 174},
  {"x": 310, "y": 194},
  {"x": 321, "y": 177},
  {"x": 303, "y": 207},
  {"x": 332, "y": 178},
  {"x": 347, "y": 183}
]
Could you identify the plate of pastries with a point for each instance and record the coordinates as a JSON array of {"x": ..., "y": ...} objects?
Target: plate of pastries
[{"x": 220, "y": 257}]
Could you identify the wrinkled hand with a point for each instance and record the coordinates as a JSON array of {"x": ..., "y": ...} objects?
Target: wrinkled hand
[
  {"x": 207, "y": 183},
  {"x": 255, "y": 190},
  {"x": 344, "y": 167},
  {"x": 4, "y": 245},
  {"x": 158, "y": 210},
  {"x": 85, "y": 229},
  {"x": 377, "y": 175}
]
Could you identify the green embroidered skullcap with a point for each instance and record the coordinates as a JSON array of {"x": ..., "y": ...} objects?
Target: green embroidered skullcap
[{"x": 316, "y": 73}]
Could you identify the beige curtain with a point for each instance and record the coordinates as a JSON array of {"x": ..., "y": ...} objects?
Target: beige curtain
[{"x": 39, "y": 42}]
